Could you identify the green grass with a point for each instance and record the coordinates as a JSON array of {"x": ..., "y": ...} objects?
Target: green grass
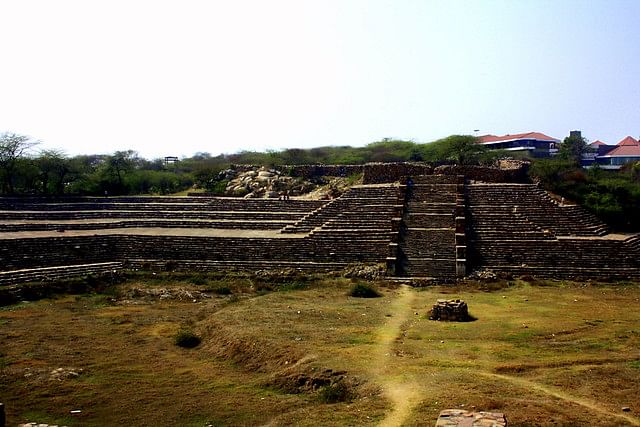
[
  {"x": 292, "y": 286},
  {"x": 43, "y": 417}
]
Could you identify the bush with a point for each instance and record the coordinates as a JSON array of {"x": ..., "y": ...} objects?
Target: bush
[
  {"x": 198, "y": 280},
  {"x": 292, "y": 286},
  {"x": 218, "y": 187},
  {"x": 186, "y": 338},
  {"x": 222, "y": 290},
  {"x": 336, "y": 392},
  {"x": 364, "y": 291}
]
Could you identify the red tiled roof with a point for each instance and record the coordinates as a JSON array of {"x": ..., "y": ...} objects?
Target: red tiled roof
[
  {"x": 628, "y": 141},
  {"x": 530, "y": 135},
  {"x": 597, "y": 142},
  {"x": 625, "y": 151}
]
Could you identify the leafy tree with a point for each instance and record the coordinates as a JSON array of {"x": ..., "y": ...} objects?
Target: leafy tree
[
  {"x": 551, "y": 172},
  {"x": 572, "y": 148},
  {"x": 461, "y": 149},
  {"x": 115, "y": 168},
  {"x": 13, "y": 148},
  {"x": 54, "y": 167}
]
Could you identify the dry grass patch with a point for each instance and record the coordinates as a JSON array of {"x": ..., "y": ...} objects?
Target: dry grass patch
[{"x": 276, "y": 349}]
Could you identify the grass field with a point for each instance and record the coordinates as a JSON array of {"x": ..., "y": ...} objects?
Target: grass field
[{"x": 545, "y": 353}]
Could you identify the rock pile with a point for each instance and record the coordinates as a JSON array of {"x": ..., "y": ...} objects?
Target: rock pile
[
  {"x": 164, "y": 294},
  {"x": 262, "y": 182},
  {"x": 486, "y": 275},
  {"x": 452, "y": 310},
  {"x": 61, "y": 374},
  {"x": 32, "y": 424},
  {"x": 459, "y": 417},
  {"x": 366, "y": 271},
  {"x": 58, "y": 374}
]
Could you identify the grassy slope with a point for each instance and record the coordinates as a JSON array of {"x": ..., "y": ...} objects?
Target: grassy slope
[{"x": 564, "y": 353}]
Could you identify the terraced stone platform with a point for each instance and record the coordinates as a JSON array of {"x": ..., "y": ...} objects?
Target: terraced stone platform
[
  {"x": 440, "y": 228},
  {"x": 520, "y": 229},
  {"x": 219, "y": 233}
]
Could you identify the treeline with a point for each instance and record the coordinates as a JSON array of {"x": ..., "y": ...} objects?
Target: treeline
[
  {"x": 50, "y": 172},
  {"x": 23, "y": 170}
]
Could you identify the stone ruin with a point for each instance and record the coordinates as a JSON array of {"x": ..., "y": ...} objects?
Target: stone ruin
[
  {"x": 451, "y": 310},
  {"x": 452, "y": 221},
  {"x": 462, "y": 418}
]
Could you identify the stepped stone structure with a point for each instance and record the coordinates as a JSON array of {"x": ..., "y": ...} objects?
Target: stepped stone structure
[
  {"x": 442, "y": 226},
  {"x": 519, "y": 229}
]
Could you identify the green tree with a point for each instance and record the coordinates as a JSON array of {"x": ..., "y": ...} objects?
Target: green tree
[
  {"x": 572, "y": 148},
  {"x": 13, "y": 149},
  {"x": 116, "y": 167},
  {"x": 461, "y": 149},
  {"x": 54, "y": 167}
]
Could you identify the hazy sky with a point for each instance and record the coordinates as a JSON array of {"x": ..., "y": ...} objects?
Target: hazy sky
[{"x": 178, "y": 77}]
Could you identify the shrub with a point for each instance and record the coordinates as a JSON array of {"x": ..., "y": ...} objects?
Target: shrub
[
  {"x": 222, "y": 290},
  {"x": 218, "y": 187},
  {"x": 364, "y": 291},
  {"x": 186, "y": 338},
  {"x": 336, "y": 392},
  {"x": 198, "y": 280},
  {"x": 292, "y": 286}
]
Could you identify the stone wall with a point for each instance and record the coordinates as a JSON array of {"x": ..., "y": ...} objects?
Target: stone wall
[
  {"x": 379, "y": 173},
  {"x": 311, "y": 171},
  {"x": 505, "y": 171},
  {"x": 382, "y": 173}
]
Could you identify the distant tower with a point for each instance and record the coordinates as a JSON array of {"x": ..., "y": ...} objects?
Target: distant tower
[{"x": 575, "y": 134}]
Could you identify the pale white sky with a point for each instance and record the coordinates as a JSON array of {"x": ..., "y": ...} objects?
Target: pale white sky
[{"x": 178, "y": 77}]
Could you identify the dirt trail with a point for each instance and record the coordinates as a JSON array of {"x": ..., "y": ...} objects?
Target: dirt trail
[
  {"x": 592, "y": 406},
  {"x": 402, "y": 393}
]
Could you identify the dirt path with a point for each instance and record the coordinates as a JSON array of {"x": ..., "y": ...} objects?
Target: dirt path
[
  {"x": 592, "y": 406},
  {"x": 403, "y": 393}
]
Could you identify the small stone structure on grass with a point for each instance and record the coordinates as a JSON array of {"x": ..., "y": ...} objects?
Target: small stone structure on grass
[
  {"x": 462, "y": 418},
  {"x": 452, "y": 310}
]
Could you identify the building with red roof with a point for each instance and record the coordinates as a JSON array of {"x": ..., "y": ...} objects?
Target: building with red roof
[
  {"x": 595, "y": 149},
  {"x": 626, "y": 151},
  {"x": 536, "y": 143}
]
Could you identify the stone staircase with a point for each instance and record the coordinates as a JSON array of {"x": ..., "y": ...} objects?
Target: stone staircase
[
  {"x": 519, "y": 229},
  {"x": 533, "y": 203},
  {"x": 432, "y": 239},
  {"x": 355, "y": 201},
  {"x": 633, "y": 244}
]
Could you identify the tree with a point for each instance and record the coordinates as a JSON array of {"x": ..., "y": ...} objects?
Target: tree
[
  {"x": 461, "y": 149},
  {"x": 117, "y": 166},
  {"x": 13, "y": 148},
  {"x": 572, "y": 148},
  {"x": 54, "y": 167}
]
